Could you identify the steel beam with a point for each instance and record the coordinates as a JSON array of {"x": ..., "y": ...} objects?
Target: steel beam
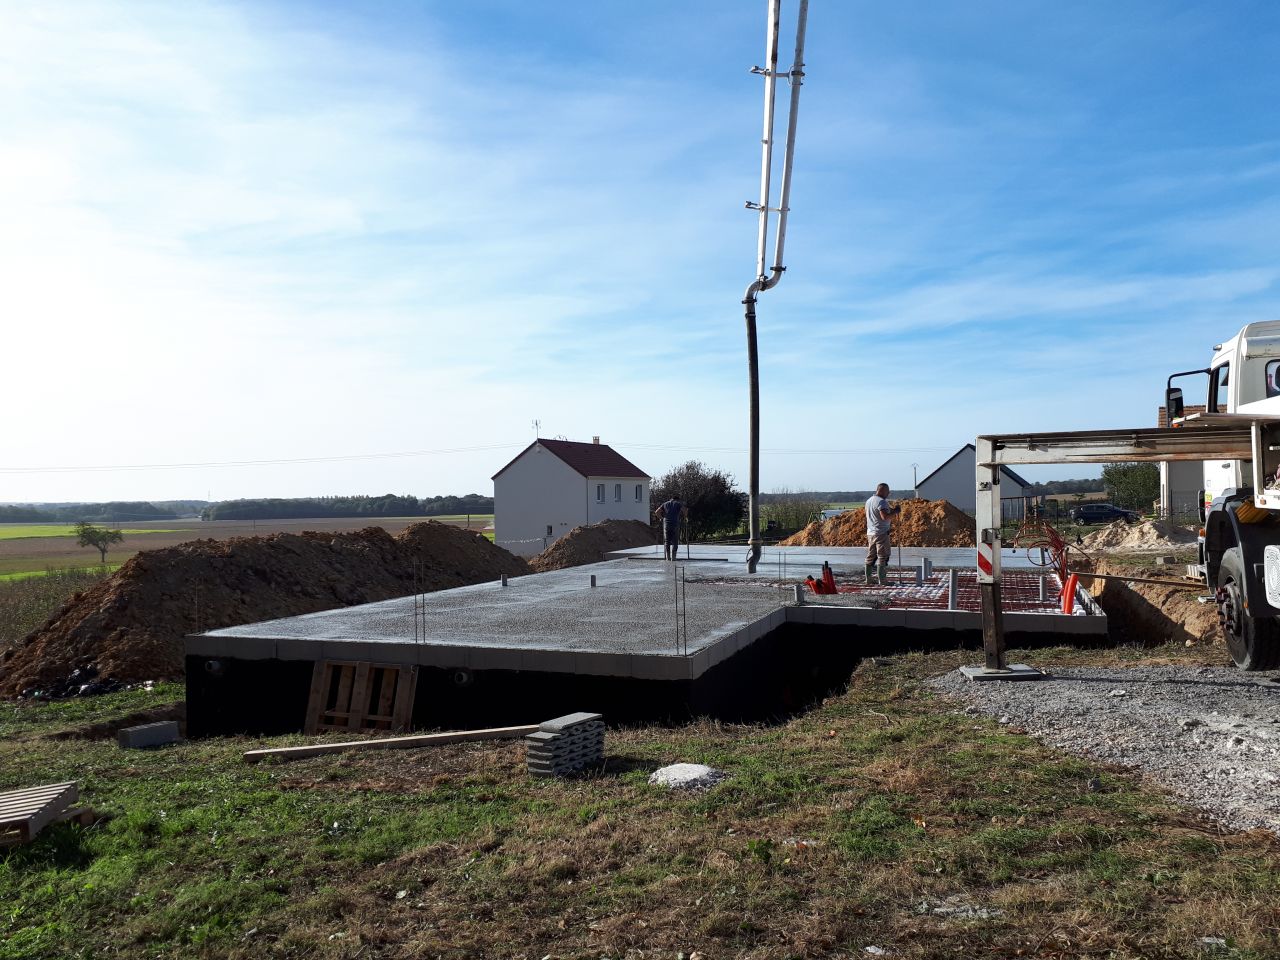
[{"x": 1220, "y": 437}]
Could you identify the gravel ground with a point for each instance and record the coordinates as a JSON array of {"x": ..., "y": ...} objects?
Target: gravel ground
[{"x": 1210, "y": 735}]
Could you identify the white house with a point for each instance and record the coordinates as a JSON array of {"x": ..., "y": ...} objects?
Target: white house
[
  {"x": 1181, "y": 481},
  {"x": 556, "y": 485},
  {"x": 956, "y": 482}
]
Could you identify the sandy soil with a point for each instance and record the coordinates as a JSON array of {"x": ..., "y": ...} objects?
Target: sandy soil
[
  {"x": 589, "y": 544},
  {"x": 922, "y": 523},
  {"x": 129, "y": 627}
]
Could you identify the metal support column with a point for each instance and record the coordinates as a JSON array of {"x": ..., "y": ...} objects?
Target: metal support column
[
  {"x": 988, "y": 541},
  {"x": 988, "y": 519}
]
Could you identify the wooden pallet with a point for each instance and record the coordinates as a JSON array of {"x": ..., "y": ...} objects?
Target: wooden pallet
[
  {"x": 350, "y": 695},
  {"x": 24, "y": 813}
]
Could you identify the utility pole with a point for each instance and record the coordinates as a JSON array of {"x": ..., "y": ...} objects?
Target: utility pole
[
  {"x": 915, "y": 487},
  {"x": 763, "y": 280}
]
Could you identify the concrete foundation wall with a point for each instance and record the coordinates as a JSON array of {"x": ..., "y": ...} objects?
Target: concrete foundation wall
[{"x": 781, "y": 673}]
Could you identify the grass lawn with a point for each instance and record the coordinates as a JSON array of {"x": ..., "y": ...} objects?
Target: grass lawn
[
  {"x": 34, "y": 531},
  {"x": 842, "y": 829}
]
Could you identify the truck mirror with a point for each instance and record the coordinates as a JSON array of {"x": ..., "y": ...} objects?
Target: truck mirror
[{"x": 1173, "y": 403}]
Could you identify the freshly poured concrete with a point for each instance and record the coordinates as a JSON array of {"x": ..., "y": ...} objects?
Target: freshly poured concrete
[{"x": 639, "y": 621}]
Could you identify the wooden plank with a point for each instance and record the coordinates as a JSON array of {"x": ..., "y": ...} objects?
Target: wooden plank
[
  {"x": 15, "y": 801},
  {"x": 30, "y": 794},
  {"x": 387, "y": 695},
  {"x": 406, "y": 690},
  {"x": 393, "y": 743},
  {"x": 315, "y": 700},
  {"x": 342, "y": 702},
  {"x": 359, "y": 697}
]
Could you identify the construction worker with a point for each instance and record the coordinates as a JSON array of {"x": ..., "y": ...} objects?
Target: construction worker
[
  {"x": 878, "y": 514},
  {"x": 671, "y": 513}
]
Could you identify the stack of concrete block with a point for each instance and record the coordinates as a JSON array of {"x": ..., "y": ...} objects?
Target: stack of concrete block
[
  {"x": 148, "y": 735},
  {"x": 565, "y": 745}
]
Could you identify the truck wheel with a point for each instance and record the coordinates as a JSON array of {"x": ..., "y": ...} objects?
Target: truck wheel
[{"x": 1254, "y": 643}]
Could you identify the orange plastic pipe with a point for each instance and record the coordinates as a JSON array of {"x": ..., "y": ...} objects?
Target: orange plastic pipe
[{"x": 1069, "y": 594}]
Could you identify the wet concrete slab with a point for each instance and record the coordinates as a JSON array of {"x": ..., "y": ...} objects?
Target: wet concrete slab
[{"x": 644, "y": 618}]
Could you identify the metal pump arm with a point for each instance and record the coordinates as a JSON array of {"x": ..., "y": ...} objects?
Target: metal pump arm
[{"x": 763, "y": 280}]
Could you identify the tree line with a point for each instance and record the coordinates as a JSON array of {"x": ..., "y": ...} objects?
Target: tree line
[
  {"x": 317, "y": 508},
  {"x": 114, "y": 511}
]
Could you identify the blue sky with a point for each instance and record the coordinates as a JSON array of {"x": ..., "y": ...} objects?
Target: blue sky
[{"x": 246, "y": 232}]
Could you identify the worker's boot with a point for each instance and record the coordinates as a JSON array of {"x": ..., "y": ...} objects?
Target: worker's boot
[
  {"x": 869, "y": 569},
  {"x": 883, "y": 574}
]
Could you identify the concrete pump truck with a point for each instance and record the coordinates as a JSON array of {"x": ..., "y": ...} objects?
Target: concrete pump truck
[{"x": 1240, "y": 501}]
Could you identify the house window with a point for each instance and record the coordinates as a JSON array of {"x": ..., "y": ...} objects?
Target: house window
[
  {"x": 639, "y": 487},
  {"x": 599, "y": 493},
  {"x": 617, "y": 493}
]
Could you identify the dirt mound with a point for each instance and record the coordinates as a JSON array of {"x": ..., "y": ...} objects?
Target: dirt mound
[
  {"x": 1147, "y": 535},
  {"x": 1152, "y": 613},
  {"x": 130, "y": 626},
  {"x": 922, "y": 523},
  {"x": 589, "y": 544}
]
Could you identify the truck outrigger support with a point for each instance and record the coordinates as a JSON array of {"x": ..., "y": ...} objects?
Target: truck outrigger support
[{"x": 1211, "y": 436}]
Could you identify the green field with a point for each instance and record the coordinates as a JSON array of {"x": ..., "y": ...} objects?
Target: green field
[
  {"x": 55, "y": 571},
  {"x": 35, "y": 531}
]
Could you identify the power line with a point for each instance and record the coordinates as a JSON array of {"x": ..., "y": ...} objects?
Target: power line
[{"x": 447, "y": 451}]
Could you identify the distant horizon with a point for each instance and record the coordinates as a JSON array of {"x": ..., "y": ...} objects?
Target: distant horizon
[{"x": 195, "y": 500}]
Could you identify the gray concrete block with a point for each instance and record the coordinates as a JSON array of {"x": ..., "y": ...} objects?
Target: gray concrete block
[
  {"x": 251, "y": 648},
  {"x": 661, "y": 668},
  {"x": 148, "y": 735},
  {"x": 292, "y": 648},
  {"x": 699, "y": 664},
  {"x": 603, "y": 664},
  {"x": 932, "y": 620},
  {"x": 721, "y": 652},
  {"x": 568, "y": 721},
  {"x": 831, "y": 616},
  {"x": 801, "y": 614},
  {"x": 547, "y": 661},
  {"x": 204, "y": 646}
]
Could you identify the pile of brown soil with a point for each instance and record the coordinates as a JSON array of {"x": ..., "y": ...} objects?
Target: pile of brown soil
[
  {"x": 130, "y": 626},
  {"x": 1152, "y": 535},
  {"x": 922, "y": 523},
  {"x": 589, "y": 544},
  {"x": 1151, "y": 613}
]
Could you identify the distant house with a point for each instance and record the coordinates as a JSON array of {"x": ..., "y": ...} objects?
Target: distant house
[
  {"x": 956, "y": 482},
  {"x": 1181, "y": 481},
  {"x": 556, "y": 485}
]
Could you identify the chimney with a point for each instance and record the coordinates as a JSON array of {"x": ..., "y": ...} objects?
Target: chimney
[{"x": 595, "y": 440}]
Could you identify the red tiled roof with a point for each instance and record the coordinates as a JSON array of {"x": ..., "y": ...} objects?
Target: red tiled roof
[{"x": 588, "y": 459}]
